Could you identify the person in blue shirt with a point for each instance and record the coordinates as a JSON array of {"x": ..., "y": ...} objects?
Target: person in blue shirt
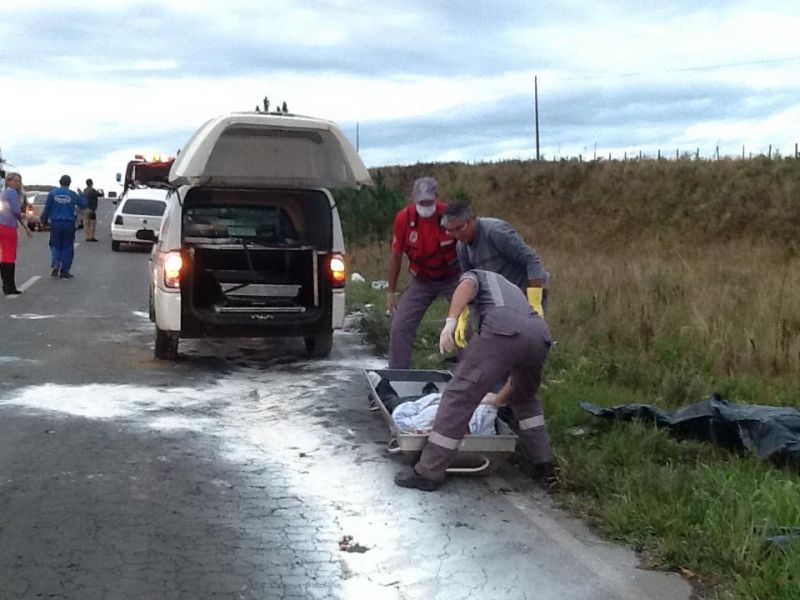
[{"x": 59, "y": 211}]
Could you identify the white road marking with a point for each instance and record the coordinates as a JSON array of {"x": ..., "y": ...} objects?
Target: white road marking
[{"x": 29, "y": 283}]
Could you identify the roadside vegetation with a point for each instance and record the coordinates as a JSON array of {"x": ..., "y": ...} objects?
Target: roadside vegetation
[{"x": 671, "y": 280}]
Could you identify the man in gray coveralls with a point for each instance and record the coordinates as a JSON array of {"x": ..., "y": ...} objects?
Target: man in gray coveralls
[{"x": 511, "y": 340}]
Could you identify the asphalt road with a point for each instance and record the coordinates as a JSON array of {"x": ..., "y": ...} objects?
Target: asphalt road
[{"x": 237, "y": 471}]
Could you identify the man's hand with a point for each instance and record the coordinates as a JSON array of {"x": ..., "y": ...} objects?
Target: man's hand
[
  {"x": 535, "y": 300},
  {"x": 460, "y": 335},
  {"x": 391, "y": 303},
  {"x": 446, "y": 342}
]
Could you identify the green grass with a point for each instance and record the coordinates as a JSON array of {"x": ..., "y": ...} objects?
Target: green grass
[{"x": 685, "y": 505}]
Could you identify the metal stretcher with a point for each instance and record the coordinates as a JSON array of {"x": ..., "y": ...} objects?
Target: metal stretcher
[{"x": 476, "y": 453}]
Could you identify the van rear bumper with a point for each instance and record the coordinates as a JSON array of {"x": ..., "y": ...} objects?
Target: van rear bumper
[{"x": 209, "y": 323}]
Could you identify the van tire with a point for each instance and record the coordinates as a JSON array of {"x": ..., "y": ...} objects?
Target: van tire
[
  {"x": 319, "y": 346},
  {"x": 115, "y": 245},
  {"x": 166, "y": 347}
]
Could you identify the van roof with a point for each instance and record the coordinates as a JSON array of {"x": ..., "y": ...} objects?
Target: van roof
[{"x": 262, "y": 149}]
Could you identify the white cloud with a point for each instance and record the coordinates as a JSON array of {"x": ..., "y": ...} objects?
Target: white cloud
[{"x": 427, "y": 81}]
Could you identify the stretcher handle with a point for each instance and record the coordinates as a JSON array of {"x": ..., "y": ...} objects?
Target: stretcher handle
[
  {"x": 373, "y": 404},
  {"x": 393, "y": 447},
  {"x": 471, "y": 470}
]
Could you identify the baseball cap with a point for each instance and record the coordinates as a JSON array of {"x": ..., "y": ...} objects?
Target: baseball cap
[{"x": 425, "y": 188}]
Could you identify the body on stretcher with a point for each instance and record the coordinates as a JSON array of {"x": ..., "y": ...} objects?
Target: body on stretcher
[{"x": 476, "y": 453}]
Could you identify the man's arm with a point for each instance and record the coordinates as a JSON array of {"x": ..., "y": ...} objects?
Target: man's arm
[
  {"x": 395, "y": 262},
  {"x": 464, "y": 292},
  {"x": 46, "y": 211},
  {"x": 510, "y": 245},
  {"x": 395, "y": 258}
]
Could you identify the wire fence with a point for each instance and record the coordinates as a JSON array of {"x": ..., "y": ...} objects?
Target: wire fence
[{"x": 695, "y": 154}]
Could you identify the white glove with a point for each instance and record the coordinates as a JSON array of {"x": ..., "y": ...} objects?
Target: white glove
[
  {"x": 446, "y": 342},
  {"x": 490, "y": 398}
]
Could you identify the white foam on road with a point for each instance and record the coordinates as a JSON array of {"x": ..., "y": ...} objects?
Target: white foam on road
[{"x": 267, "y": 416}]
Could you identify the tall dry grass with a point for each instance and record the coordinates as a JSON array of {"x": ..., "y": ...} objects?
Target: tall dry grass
[{"x": 674, "y": 320}]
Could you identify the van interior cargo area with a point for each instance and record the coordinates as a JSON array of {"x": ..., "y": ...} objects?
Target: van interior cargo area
[
  {"x": 237, "y": 279},
  {"x": 252, "y": 254}
]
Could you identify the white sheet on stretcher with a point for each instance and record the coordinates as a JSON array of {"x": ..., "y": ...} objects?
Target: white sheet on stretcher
[{"x": 416, "y": 416}]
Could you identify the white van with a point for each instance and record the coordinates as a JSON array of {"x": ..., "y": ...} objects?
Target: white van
[{"x": 251, "y": 243}]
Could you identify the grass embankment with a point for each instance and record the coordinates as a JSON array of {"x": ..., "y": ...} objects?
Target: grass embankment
[{"x": 670, "y": 281}]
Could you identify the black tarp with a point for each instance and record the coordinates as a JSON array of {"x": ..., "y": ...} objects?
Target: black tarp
[{"x": 766, "y": 431}]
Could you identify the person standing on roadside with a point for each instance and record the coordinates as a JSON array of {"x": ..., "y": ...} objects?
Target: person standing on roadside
[
  {"x": 512, "y": 343},
  {"x": 418, "y": 233},
  {"x": 90, "y": 214},
  {"x": 59, "y": 210},
  {"x": 11, "y": 200}
]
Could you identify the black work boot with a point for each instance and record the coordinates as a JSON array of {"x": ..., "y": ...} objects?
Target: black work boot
[
  {"x": 545, "y": 473},
  {"x": 7, "y": 272},
  {"x": 411, "y": 479}
]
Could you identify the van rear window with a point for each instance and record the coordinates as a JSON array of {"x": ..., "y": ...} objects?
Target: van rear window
[
  {"x": 262, "y": 224},
  {"x": 140, "y": 206}
]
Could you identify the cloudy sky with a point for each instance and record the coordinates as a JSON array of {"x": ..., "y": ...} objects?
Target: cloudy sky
[{"x": 87, "y": 84}]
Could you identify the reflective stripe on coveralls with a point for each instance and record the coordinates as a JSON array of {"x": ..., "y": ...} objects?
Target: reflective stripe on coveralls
[{"x": 537, "y": 421}]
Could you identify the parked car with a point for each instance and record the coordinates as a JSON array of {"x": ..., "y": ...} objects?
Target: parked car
[
  {"x": 251, "y": 243},
  {"x": 34, "y": 206},
  {"x": 138, "y": 209}
]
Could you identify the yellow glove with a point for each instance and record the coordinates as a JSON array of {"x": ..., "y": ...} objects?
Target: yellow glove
[
  {"x": 535, "y": 300},
  {"x": 460, "y": 335}
]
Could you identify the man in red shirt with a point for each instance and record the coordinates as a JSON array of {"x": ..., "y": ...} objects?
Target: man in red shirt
[{"x": 419, "y": 234}]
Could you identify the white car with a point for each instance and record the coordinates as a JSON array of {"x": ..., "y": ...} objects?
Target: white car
[
  {"x": 139, "y": 209},
  {"x": 251, "y": 244}
]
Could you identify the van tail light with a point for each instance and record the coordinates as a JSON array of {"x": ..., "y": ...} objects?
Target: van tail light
[
  {"x": 336, "y": 270},
  {"x": 118, "y": 220},
  {"x": 29, "y": 210},
  {"x": 173, "y": 265}
]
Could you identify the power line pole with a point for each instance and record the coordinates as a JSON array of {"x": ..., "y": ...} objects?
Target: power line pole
[
  {"x": 357, "y": 136},
  {"x": 536, "y": 104}
]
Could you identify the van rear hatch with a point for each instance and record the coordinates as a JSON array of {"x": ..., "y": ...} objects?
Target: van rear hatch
[
  {"x": 266, "y": 150},
  {"x": 257, "y": 255}
]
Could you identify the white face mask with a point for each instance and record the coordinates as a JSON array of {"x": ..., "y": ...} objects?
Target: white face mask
[{"x": 426, "y": 211}]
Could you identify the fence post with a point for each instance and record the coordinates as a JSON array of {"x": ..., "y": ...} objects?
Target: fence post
[
  {"x": 677, "y": 155},
  {"x": 795, "y": 149},
  {"x": 742, "y": 151},
  {"x": 697, "y": 154},
  {"x": 717, "y": 152},
  {"x": 769, "y": 154},
  {"x": 659, "y": 154}
]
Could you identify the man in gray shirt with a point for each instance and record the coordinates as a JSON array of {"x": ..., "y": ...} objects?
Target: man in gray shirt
[{"x": 494, "y": 245}]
